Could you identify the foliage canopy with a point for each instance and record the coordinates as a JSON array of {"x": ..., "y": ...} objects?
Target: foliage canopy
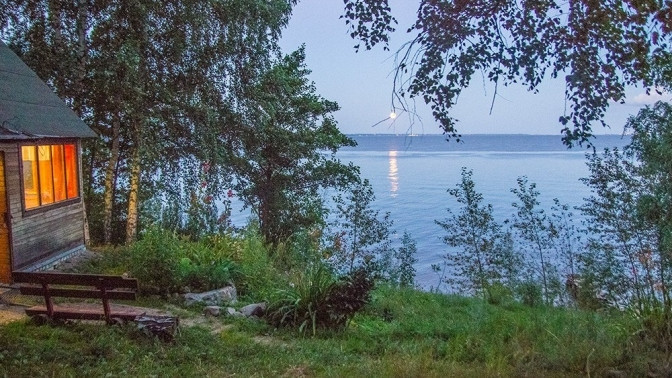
[{"x": 600, "y": 47}]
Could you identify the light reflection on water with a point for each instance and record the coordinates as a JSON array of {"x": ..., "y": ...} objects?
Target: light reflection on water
[{"x": 393, "y": 174}]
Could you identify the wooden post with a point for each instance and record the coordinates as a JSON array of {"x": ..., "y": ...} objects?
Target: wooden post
[
  {"x": 106, "y": 303},
  {"x": 48, "y": 302}
]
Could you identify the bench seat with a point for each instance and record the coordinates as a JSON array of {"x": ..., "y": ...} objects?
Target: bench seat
[{"x": 79, "y": 312}]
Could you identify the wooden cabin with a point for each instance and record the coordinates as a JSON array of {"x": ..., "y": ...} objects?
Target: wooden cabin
[{"x": 41, "y": 209}]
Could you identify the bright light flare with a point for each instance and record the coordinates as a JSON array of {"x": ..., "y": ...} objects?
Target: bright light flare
[{"x": 393, "y": 115}]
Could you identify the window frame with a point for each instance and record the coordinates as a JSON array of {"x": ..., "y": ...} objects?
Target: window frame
[{"x": 52, "y": 205}]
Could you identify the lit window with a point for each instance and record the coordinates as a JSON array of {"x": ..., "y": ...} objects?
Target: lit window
[{"x": 49, "y": 174}]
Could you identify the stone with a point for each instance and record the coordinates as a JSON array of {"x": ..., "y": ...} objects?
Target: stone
[
  {"x": 232, "y": 312},
  {"x": 212, "y": 310},
  {"x": 254, "y": 309},
  {"x": 212, "y": 298}
]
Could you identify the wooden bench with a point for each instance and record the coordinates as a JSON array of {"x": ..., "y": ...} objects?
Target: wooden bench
[{"x": 68, "y": 285}]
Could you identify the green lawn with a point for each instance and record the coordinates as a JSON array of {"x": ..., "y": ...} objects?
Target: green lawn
[{"x": 402, "y": 333}]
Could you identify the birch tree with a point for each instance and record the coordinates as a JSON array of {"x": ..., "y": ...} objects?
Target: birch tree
[{"x": 153, "y": 78}]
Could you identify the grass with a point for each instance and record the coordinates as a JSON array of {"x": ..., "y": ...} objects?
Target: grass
[{"x": 401, "y": 333}]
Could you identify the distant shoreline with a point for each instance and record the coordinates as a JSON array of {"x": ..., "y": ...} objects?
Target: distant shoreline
[{"x": 478, "y": 134}]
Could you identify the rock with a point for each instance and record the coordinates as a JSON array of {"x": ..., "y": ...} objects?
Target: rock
[
  {"x": 212, "y": 311},
  {"x": 232, "y": 312},
  {"x": 212, "y": 298},
  {"x": 255, "y": 309},
  {"x": 616, "y": 374}
]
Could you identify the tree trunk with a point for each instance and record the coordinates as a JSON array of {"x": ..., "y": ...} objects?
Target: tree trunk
[
  {"x": 78, "y": 98},
  {"x": 80, "y": 67},
  {"x": 58, "y": 48},
  {"x": 110, "y": 180},
  {"x": 132, "y": 216}
]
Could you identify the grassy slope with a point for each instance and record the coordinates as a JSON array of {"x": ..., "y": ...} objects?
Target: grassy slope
[{"x": 402, "y": 333}]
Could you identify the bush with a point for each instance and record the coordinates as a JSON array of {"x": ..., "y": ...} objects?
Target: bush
[
  {"x": 155, "y": 260},
  {"x": 530, "y": 294},
  {"x": 347, "y": 297},
  {"x": 165, "y": 263},
  {"x": 258, "y": 274},
  {"x": 202, "y": 277},
  {"x": 316, "y": 300},
  {"x": 498, "y": 294}
]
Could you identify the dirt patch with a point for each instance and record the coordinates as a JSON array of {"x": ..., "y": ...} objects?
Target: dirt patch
[
  {"x": 297, "y": 371},
  {"x": 10, "y": 314},
  {"x": 9, "y": 311},
  {"x": 269, "y": 341},
  {"x": 215, "y": 326}
]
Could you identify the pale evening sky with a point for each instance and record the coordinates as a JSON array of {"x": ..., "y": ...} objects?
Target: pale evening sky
[{"x": 361, "y": 83}]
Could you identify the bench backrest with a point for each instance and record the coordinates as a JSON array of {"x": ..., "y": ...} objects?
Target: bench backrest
[
  {"x": 100, "y": 286},
  {"x": 100, "y": 281}
]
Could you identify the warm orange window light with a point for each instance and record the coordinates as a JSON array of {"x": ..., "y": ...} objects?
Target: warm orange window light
[
  {"x": 49, "y": 174},
  {"x": 30, "y": 182},
  {"x": 71, "y": 171},
  {"x": 44, "y": 165},
  {"x": 58, "y": 164}
]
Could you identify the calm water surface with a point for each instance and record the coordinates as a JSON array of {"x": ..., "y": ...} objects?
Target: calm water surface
[{"x": 411, "y": 176}]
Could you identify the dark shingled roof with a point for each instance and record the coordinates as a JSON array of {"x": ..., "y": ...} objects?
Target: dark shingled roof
[{"x": 29, "y": 108}]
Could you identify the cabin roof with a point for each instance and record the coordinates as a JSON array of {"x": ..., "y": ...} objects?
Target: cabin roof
[{"x": 29, "y": 109}]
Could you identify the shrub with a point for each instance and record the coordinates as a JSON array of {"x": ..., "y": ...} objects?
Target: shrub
[
  {"x": 202, "y": 277},
  {"x": 257, "y": 274},
  {"x": 316, "y": 300},
  {"x": 154, "y": 261},
  {"x": 164, "y": 263},
  {"x": 530, "y": 293},
  {"x": 405, "y": 256},
  {"x": 478, "y": 255},
  {"x": 348, "y": 296},
  {"x": 300, "y": 304},
  {"x": 498, "y": 294}
]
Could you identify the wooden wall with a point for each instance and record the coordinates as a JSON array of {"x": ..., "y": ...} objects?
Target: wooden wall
[
  {"x": 5, "y": 259},
  {"x": 38, "y": 234}
]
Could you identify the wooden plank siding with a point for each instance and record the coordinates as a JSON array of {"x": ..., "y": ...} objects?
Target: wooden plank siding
[
  {"x": 38, "y": 234},
  {"x": 5, "y": 250}
]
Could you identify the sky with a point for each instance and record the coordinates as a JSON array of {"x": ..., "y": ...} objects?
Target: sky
[{"x": 361, "y": 82}]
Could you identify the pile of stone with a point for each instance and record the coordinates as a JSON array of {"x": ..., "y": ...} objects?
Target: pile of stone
[{"x": 218, "y": 302}]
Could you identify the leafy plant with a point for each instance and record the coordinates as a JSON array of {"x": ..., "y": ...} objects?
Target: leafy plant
[
  {"x": 362, "y": 238},
  {"x": 165, "y": 263},
  {"x": 155, "y": 260},
  {"x": 538, "y": 235},
  {"x": 530, "y": 293},
  {"x": 203, "y": 277},
  {"x": 317, "y": 301},
  {"x": 303, "y": 304},
  {"x": 405, "y": 257},
  {"x": 348, "y": 296},
  {"x": 480, "y": 261}
]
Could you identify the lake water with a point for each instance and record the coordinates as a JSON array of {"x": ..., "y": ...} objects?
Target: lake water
[{"x": 411, "y": 175}]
